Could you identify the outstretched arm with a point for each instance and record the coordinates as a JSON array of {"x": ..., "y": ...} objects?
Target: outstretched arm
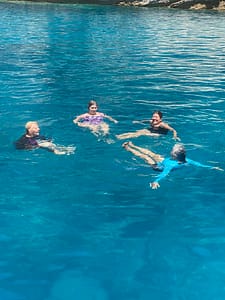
[
  {"x": 175, "y": 137},
  {"x": 218, "y": 168},
  {"x": 110, "y": 118},
  {"x": 140, "y": 122},
  {"x": 61, "y": 150},
  {"x": 155, "y": 184},
  {"x": 198, "y": 164},
  {"x": 78, "y": 119}
]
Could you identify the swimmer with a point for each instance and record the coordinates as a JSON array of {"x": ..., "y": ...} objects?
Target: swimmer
[
  {"x": 94, "y": 120},
  {"x": 32, "y": 139},
  {"x": 164, "y": 165},
  {"x": 157, "y": 127}
]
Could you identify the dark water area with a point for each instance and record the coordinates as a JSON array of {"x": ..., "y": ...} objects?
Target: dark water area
[{"x": 87, "y": 226}]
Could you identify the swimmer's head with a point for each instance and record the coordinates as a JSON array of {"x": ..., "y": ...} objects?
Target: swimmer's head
[
  {"x": 92, "y": 103},
  {"x": 32, "y": 127},
  {"x": 156, "y": 117},
  {"x": 29, "y": 124},
  {"x": 158, "y": 112},
  {"x": 178, "y": 153}
]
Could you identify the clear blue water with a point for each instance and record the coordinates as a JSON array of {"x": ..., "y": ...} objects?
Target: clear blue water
[{"x": 87, "y": 226}]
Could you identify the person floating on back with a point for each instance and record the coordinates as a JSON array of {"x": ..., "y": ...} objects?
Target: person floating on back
[
  {"x": 157, "y": 127},
  {"x": 94, "y": 120},
  {"x": 176, "y": 160},
  {"x": 32, "y": 139}
]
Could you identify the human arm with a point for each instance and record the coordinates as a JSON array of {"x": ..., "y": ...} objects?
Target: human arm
[
  {"x": 218, "y": 168},
  {"x": 168, "y": 167},
  {"x": 47, "y": 145},
  {"x": 110, "y": 118},
  {"x": 154, "y": 185},
  {"x": 78, "y": 119},
  {"x": 198, "y": 164},
  {"x": 51, "y": 147},
  {"x": 175, "y": 137},
  {"x": 140, "y": 122}
]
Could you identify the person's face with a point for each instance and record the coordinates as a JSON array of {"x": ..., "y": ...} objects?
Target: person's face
[
  {"x": 155, "y": 119},
  {"x": 34, "y": 130},
  {"x": 93, "y": 108}
]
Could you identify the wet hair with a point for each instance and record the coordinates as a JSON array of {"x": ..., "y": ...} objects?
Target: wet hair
[
  {"x": 178, "y": 153},
  {"x": 92, "y": 102},
  {"x": 159, "y": 113}
]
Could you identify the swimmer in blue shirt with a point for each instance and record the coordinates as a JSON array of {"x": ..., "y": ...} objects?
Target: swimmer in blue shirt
[{"x": 164, "y": 165}]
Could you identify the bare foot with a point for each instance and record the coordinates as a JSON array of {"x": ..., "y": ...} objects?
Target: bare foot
[
  {"x": 131, "y": 144},
  {"x": 125, "y": 145}
]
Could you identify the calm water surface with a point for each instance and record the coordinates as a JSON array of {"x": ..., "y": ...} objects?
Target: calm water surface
[{"x": 87, "y": 226}]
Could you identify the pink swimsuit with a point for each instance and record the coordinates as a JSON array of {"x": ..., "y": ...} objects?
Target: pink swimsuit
[{"x": 93, "y": 119}]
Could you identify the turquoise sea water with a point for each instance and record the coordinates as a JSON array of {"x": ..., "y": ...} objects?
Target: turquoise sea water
[{"x": 87, "y": 226}]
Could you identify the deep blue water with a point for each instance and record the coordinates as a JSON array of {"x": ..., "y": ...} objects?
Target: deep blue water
[{"x": 87, "y": 226}]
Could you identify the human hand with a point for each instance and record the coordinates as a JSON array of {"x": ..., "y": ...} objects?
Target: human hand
[
  {"x": 59, "y": 152},
  {"x": 154, "y": 185},
  {"x": 82, "y": 124},
  {"x": 218, "y": 168},
  {"x": 176, "y": 138}
]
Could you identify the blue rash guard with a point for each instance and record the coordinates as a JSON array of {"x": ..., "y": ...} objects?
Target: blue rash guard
[{"x": 168, "y": 165}]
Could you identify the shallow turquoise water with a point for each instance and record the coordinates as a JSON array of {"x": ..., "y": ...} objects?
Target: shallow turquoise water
[{"x": 87, "y": 226}]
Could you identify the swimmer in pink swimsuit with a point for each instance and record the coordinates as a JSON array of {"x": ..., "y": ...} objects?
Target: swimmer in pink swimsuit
[{"x": 94, "y": 120}]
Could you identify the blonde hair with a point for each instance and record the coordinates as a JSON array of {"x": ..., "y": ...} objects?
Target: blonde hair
[{"x": 29, "y": 124}]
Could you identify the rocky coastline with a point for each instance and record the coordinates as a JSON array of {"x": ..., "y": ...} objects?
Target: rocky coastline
[
  {"x": 218, "y": 5},
  {"x": 181, "y": 4}
]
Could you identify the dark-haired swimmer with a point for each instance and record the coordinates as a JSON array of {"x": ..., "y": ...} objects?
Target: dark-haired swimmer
[
  {"x": 157, "y": 127},
  {"x": 33, "y": 140},
  {"x": 94, "y": 120},
  {"x": 165, "y": 165}
]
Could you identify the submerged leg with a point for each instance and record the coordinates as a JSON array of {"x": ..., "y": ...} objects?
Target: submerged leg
[
  {"x": 104, "y": 128},
  {"x": 134, "y": 134},
  {"x": 100, "y": 130}
]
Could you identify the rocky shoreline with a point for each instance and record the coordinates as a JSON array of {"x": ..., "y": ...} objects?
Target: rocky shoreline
[
  {"x": 218, "y": 5},
  {"x": 182, "y": 4}
]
